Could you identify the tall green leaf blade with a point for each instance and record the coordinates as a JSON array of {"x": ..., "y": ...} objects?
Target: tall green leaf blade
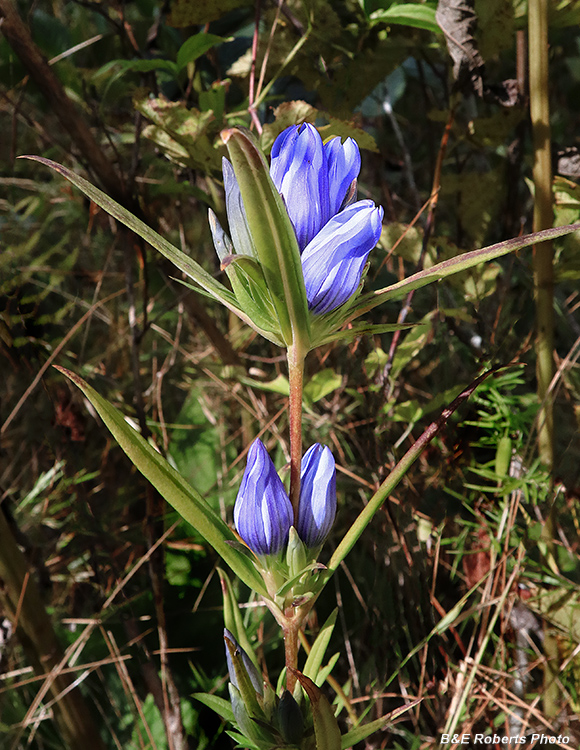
[
  {"x": 362, "y": 732},
  {"x": 455, "y": 265},
  {"x": 172, "y": 486},
  {"x": 318, "y": 650},
  {"x": 219, "y": 705},
  {"x": 179, "y": 259}
]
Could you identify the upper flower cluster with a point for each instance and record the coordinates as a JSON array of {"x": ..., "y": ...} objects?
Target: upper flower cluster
[
  {"x": 263, "y": 512},
  {"x": 335, "y": 233}
]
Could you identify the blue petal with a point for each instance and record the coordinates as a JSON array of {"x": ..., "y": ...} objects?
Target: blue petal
[
  {"x": 221, "y": 242},
  {"x": 317, "y": 508},
  {"x": 343, "y": 168},
  {"x": 262, "y": 512},
  {"x": 333, "y": 262},
  {"x": 239, "y": 229},
  {"x": 299, "y": 171}
]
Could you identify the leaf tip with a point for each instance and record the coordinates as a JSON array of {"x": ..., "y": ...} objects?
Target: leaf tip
[{"x": 70, "y": 375}]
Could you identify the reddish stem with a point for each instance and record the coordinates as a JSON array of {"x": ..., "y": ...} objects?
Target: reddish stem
[{"x": 296, "y": 381}]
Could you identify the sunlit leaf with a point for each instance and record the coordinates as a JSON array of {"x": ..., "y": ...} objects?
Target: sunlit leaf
[{"x": 172, "y": 486}]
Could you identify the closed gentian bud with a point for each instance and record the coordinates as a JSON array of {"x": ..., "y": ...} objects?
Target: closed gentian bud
[
  {"x": 290, "y": 719},
  {"x": 248, "y": 665},
  {"x": 333, "y": 262},
  {"x": 317, "y": 508},
  {"x": 299, "y": 170},
  {"x": 262, "y": 513}
]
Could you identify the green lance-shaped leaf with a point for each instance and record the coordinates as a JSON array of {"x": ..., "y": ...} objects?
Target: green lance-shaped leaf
[
  {"x": 361, "y": 733},
  {"x": 172, "y": 486},
  {"x": 179, "y": 259},
  {"x": 454, "y": 265},
  {"x": 273, "y": 236},
  {"x": 326, "y": 730},
  {"x": 251, "y": 292},
  {"x": 221, "y": 706},
  {"x": 389, "y": 484},
  {"x": 318, "y": 650}
]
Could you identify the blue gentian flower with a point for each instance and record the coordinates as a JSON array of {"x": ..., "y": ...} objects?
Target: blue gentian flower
[
  {"x": 333, "y": 262},
  {"x": 262, "y": 512},
  {"x": 317, "y": 508},
  {"x": 335, "y": 232}
]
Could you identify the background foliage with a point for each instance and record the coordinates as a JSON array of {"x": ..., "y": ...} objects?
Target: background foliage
[{"x": 448, "y": 566}]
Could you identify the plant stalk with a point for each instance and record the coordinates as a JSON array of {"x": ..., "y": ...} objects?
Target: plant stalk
[
  {"x": 543, "y": 265},
  {"x": 291, "y": 630},
  {"x": 543, "y": 219},
  {"x": 296, "y": 358}
]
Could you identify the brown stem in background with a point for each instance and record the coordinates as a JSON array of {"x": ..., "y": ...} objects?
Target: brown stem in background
[
  {"x": 19, "y": 38},
  {"x": 23, "y": 604},
  {"x": 543, "y": 263},
  {"x": 252, "y": 87},
  {"x": 164, "y": 690}
]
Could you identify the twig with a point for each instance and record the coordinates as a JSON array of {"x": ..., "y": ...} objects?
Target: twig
[
  {"x": 19, "y": 38},
  {"x": 426, "y": 237}
]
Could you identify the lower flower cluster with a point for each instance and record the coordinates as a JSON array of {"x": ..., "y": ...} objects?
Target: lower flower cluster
[
  {"x": 265, "y": 719},
  {"x": 263, "y": 513}
]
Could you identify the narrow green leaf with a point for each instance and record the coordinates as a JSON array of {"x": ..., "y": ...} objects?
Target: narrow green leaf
[
  {"x": 318, "y": 650},
  {"x": 195, "y": 47},
  {"x": 408, "y": 14},
  {"x": 172, "y": 486},
  {"x": 273, "y": 235},
  {"x": 219, "y": 705},
  {"x": 360, "y": 329},
  {"x": 325, "y": 671},
  {"x": 181, "y": 260},
  {"x": 361, "y": 733},
  {"x": 454, "y": 265},
  {"x": 396, "y": 475},
  {"x": 326, "y": 730}
]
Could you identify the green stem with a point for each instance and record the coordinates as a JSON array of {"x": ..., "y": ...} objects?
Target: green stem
[
  {"x": 543, "y": 219},
  {"x": 543, "y": 264},
  {"x": 296, "y": 357}
]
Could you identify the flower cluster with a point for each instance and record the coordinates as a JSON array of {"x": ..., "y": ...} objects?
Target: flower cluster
[
  {"x": 263, "y": 513},
  {"x": 335, "y": 232}
]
